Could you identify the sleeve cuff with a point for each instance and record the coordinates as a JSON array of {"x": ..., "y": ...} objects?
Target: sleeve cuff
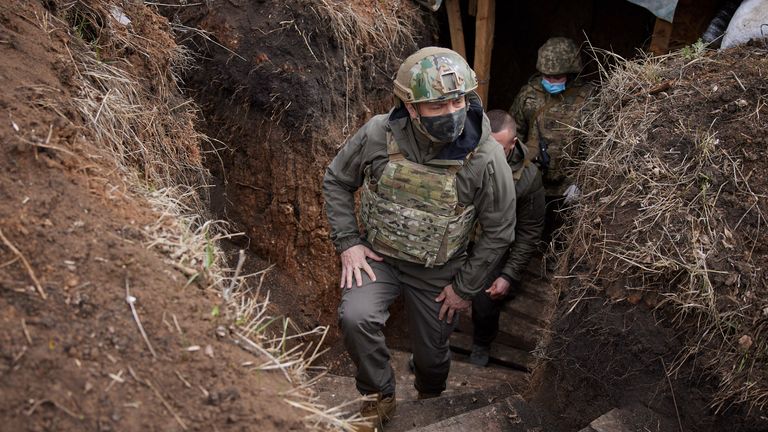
[
  {"x": 508, "y": 278},
  {"x": 345, "y": 243},
  {"x": 459, "y": 290}
]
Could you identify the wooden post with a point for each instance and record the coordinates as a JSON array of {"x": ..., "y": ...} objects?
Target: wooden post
[
  {"x": 662, "y": 31},
  {"x": 484, "y": 26},
  {"x": 457, "y": 30}
]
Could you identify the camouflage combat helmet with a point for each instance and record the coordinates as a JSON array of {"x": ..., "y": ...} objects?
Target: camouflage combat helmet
[
  {"x": 434, "y": 74},
  {"x": 559, "y": 56}
]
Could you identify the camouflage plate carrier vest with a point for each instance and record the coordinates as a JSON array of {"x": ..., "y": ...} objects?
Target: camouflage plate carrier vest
[
  {"x": 413, "y": 211},
  {"x": 552, "y": 127}
]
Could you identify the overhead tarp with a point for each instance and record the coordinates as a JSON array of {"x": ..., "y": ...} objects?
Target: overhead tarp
[{"x": 664, "y": 9}]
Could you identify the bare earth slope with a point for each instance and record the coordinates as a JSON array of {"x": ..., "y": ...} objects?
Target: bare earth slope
[{"x": 75, "y": 236}]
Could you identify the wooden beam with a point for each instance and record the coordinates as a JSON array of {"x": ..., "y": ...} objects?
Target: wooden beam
[
  {"x": 484, "y": 26},
  {"x": 662, "y": 31},
  {"x": 457, "y": 30}
]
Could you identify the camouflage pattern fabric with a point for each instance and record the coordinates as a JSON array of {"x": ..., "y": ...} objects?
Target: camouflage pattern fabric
[
  {"x": 433, "y": 74},
  {"x": 413, "y": 212},
  {"x": 553, "y": 123},
  {"x": 559, "y": 56},
  {"x": 534, "y": 109},
  {"x": 528, "y": 101}
]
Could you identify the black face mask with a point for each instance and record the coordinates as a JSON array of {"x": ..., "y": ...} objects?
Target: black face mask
[{"x": 444, "y": 128}]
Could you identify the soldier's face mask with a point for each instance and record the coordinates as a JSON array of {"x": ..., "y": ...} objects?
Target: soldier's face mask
[
  {"x": 443, "y": 128},
  {"x": 553, "y": 87}
]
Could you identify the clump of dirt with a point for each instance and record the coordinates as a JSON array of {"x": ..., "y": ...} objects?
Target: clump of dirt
[
  {"x": 282, "y": 84},
  {"x": 672, "y": 221},
  {"x": 100, "y": 158}
]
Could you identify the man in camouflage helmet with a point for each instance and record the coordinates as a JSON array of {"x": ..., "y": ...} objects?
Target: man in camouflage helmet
[
  {"x": 428, "y": 171},
  {"x": 546, "y": 109}
]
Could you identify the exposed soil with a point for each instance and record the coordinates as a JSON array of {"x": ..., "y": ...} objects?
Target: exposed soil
[
  {"x": 304, "y": 77},
  {"x": 75, "y": 360}
]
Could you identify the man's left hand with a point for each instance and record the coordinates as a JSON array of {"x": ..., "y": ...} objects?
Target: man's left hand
[
  {"x": 452, "y": 304},
  {"x": 499, "y": 289}
]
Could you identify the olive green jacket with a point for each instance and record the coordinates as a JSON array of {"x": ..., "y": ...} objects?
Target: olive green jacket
[
  {"x": 485, "y": 181},
  {"x": 531, "y": 209}
]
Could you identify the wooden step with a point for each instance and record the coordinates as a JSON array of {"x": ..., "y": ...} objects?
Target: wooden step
[
  {"x": 537, "y": 287},
  {"x": 514, "y": 331},
  {"x": 334, "y": 390},
  {"x": 630, "y": 419},
  {"x": 507, "y": 415},
  {"x": 535, "y": 310},
  {"x": 419, "y": 413},
  {"x": 502, "y": 354}
]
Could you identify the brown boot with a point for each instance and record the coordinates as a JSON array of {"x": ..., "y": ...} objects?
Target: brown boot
[{"x": 377, "y": 412}]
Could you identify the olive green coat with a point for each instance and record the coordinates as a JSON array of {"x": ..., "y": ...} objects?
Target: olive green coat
[
  {"x": 485, "y": 181},
  {"x": 531, "y": 209}
]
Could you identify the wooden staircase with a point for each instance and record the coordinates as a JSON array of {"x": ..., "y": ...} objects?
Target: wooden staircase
[{"x": 476, "y": 398}]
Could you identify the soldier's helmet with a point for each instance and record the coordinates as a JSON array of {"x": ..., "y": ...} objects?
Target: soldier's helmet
[
  {"x": 559, "y": 56},
  {"x": 434, "y": 74}
]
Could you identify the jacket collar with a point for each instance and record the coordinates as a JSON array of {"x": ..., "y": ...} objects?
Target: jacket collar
[{"x": 516, "y": 158}]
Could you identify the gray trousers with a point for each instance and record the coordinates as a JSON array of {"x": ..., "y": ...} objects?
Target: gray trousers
[{"x": 363, "y": 312}]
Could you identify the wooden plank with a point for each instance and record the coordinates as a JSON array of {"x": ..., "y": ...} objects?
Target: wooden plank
[
  {"x": 490, "y": 418},
  {"x": 662, "y": 32},
  {"x": 507, "y": 356},
  {"x": 420, "y": 413},
  {"x": 457, "y": 29},
  {"x": 520, "y": 332},
  {"x": 529, "y": 308},
  {"x": 539, "y": 288},
  {"x": 484, "y": 25}
]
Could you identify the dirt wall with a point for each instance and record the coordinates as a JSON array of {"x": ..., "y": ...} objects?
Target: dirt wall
[
  {"x": 80, "y": 237},
  {"x": 282, "y": 85}
]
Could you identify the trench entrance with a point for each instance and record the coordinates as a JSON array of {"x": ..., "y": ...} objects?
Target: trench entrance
[
  {"x": 281, "y": 97},
  {"x": 522, "y": 27}
]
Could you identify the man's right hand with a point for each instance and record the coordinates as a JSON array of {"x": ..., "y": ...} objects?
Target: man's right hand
[{"x": 354, "y": 259}]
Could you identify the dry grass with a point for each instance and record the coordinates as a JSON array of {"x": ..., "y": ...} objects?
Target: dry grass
[
  {"x": 652, "y": 221},
  {"x": 369, "y": 35}
]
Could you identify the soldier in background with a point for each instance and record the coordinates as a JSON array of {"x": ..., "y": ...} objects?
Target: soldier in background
[
  {"x": 531, "y": 208},
  {"x": 427, "y": 170},
  {"x": 547, "y": 108}
]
